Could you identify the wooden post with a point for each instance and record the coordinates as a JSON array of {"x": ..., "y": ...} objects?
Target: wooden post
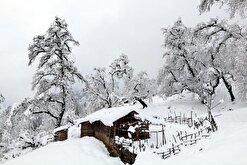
[
  {"x": 183, "y": 118},
  {"x": 180, "y": 117},
  {"x": 114, "y": 131},
  {"x": 174, "y": 139},
  {"x": 191, "y": 118},
  {"x": 175, "y": 117},
  {"x": 165, "y": 138},
  {"x": 163, "y": 135},
  {"x": 157, "y": 140},
  {"x": 179, "y": 136},
  {"x": 173, "y": 150},
  {"x": 140, "y": 145},
  {"x": 1, "y": 136},
  {"x": 133, "y": 149}
]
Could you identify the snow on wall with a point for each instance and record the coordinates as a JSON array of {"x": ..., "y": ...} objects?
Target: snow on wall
[{"x": 74, "y": 131}]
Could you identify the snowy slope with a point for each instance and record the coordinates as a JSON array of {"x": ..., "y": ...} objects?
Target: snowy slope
[
  {"x": 227, "y": 146},
  {"x": 70, "y": 152}
]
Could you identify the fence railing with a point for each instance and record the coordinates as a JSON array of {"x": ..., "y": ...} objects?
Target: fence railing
[{"x": 159, "y": 139}]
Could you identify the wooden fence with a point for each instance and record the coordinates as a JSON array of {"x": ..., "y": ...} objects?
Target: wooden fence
[
  {"x": 175, "y": 149},
  {"x": 185, "y": 140},
  {"x": 159, "y": 139},
  {"x": 180, "y": 118}
]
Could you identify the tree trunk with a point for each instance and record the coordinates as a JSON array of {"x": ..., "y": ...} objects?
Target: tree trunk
[
  {"x": 64, "y": 92},
  {"x": 144, "y": 105},
  {"x": 60, "y": 117},
  {"x": 229, "y": 88},
  {"x": 63, "y": 107},
  {"x": 190, "y": 68}
]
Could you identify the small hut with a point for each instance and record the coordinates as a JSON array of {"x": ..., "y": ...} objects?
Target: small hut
[
  {"x": 114, "y": 122},
  {"x": 110, "y": 124},
  {"x": 106, "y": 124},
  {"x": 61, "y": 133}
]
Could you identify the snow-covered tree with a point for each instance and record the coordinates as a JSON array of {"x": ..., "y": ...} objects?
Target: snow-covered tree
[
  {"x": 102, "y": 88},
  {"x": 1, "y": 98},
  {"x": 120, "y": 69},
  {"x": 20, "y": 121},
  {"x": 241, "y": 73},
  {"x": 99, "y": 90},
  {"x": 113, "y": 86},
  {"x": 2, "y": 116},
  {"x": 20, "y": 129},
  {"x": 222, "y": 49},
  {"x": 139, "y": 88},
  {"x": 56, "y": 72},
  {"x": 181, "y": 69},
  {"x": 197, "y": 59},
  {"x": 234, "y": 6}
]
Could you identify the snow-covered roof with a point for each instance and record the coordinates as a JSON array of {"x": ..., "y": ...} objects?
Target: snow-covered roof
[
  {"x": 107, "y": 116},
  {"x": 61, "y": 128}
]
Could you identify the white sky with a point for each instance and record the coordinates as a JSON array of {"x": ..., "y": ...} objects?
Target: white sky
[{"x": 105, "y": 30}]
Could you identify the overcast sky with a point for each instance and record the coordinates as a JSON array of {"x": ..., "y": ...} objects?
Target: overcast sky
[{"x": 104, "y": 28}]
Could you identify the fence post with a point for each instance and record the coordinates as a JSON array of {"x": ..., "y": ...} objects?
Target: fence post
[
  {"x": 183, "y": 119},
  {"x": 173, "y": 150},
  {"x": 192, "y": 118},
  {"x": 163, "y": 135},
  {"x": 179, "y": 136},
  {"x": 140, "y": 145},
  {"x": 157, "y": 140},
  {"x": 114, "y": 132},
  {"x": 174, "y": 139},
  {"x": 180, "y": 118}
]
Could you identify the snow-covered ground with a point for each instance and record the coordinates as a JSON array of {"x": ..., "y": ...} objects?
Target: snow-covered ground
[
  {"x": 85, "y": 150},
  {"x": 227, "y": 146}
]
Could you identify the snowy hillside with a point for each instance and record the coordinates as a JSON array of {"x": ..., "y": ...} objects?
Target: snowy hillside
[
  {"x": 227, "y": 146},
  {"x": 73, "y": 151}
]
